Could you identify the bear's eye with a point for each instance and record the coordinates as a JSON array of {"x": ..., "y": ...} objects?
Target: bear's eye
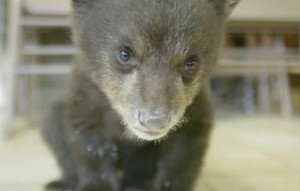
[
  {"x": 125, "y": 57},
  {"x": 191, "y": 66}
]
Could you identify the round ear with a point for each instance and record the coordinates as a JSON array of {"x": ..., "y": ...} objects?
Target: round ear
[
  {"x": 224, "y": 7},
  {"x": 82, "y": 1},
  {"x": 230, "y": 4},
  {"x": 82, "y": 5}
]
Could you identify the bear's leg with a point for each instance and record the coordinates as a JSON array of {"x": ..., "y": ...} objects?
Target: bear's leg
[
  {"x": 139, "y": 163},
  {"x": 54, "y": 135},
  {"x": 96, "y": 159},
  {"x": 183, "y": 152}
]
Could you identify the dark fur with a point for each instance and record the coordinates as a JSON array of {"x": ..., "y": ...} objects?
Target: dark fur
[{"x": 84, "y": 130}]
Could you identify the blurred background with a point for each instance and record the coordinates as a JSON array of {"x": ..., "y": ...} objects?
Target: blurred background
[{"x": 255, "y": 145}]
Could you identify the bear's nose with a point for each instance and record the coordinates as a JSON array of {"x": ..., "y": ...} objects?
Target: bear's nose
[{"x": 153, "y": 119}]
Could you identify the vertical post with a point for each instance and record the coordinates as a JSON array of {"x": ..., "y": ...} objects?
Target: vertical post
[
  {"x": 283, "y": 86},
  {"x": 248, "y": 90},
  {"x": 2, "y": 29},
  {"x": 13, "y": 38},
  {"x": 263, "y": 83}
]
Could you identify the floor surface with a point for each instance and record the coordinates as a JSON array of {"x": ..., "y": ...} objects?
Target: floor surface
[{"x": 246, "y": 154}]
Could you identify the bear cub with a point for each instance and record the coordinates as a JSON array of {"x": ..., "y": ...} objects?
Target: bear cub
[{"x": 136, "y": 115}]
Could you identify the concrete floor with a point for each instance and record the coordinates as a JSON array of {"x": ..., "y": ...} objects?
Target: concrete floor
[{"x": 246, "y": 154}]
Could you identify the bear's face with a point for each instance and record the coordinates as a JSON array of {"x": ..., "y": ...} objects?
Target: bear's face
[{"x": 150, "y": 58}]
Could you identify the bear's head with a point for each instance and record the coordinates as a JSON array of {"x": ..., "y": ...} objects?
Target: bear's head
[{"x": 149, "y": 57}]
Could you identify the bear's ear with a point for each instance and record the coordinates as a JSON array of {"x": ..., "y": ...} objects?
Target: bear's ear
[
  {"x": 230, "y": 4},
  {"x": 83, "y": 1},
  {"x": 224, "y": 7},
  {"x": 82, "y": 5}
]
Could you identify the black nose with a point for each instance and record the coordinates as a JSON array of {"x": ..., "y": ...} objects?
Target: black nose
[{"x": 153, "y": 119}]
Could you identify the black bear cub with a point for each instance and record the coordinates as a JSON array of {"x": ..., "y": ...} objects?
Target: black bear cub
[{"x": 136, "y": 116}]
